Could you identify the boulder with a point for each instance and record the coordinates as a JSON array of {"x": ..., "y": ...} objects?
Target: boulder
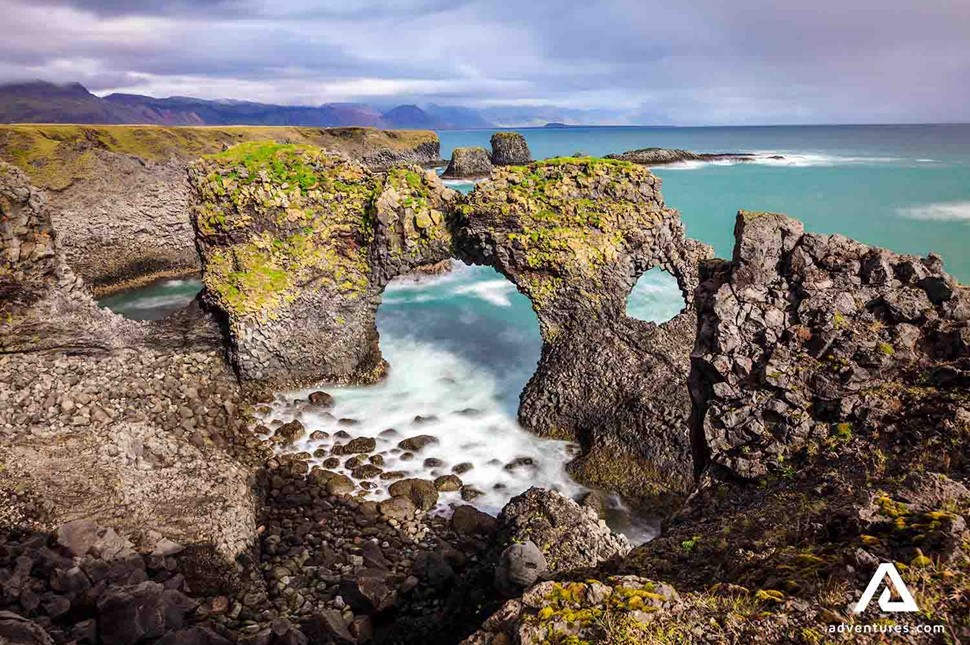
[
  {"x": 17, "y": 630},
  {"x": 370, "y": 591},
  {"x": 421, "y": 492},
  {"x": 510, "y": 149},
  {"x": 468, "y": 163},
  {"x": 519, "y": 567},
  {"x": 418, "y": 443},
  {"x": 468, "y": 520},
  {"x": 571, "y": 536}
]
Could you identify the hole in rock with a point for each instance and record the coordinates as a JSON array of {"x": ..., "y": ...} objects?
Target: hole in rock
[
  {"x": 155, "y": 300},
  {"x": 461, "y": 348},
  {"x": 655, "y": 297}
]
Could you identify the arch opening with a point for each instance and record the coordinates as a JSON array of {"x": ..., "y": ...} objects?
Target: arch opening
[
  {"x": 154, "y": 301},
  {"x": 461, "y": 347},
  {"x": 656, "y": 297}
]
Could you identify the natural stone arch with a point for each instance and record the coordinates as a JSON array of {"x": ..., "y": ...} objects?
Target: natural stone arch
[
  {"x": 574, "y": 235},
  {"x": 297, "y": 246}
]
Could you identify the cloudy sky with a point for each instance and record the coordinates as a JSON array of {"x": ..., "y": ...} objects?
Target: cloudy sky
[{"x": 641, "y": 61}]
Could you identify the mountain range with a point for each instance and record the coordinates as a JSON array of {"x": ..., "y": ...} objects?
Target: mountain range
[{"x": 43, "y": 102}]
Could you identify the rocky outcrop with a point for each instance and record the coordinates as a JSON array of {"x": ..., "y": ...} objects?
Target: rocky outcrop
[
  {"x": 802, "y": 334},
  {"x": 664, "y": 156},
  {"x": 569, "y": 536},
  {"x": 510, "y": 149},
  {"x": 120, "y": 199},
  {"x": 468, "y": 163},
  {"x": 297, "y": 246},
  {"x": 574, "y": 235}
]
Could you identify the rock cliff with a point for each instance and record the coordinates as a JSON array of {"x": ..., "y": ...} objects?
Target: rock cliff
[
  {"x": 510, "y": 149},
  {"x": 119, "y": 196},
  {"x": 468, "y": 163},
  {"x": 573, "y": 235},
  {"x": 298, "y": 245}
]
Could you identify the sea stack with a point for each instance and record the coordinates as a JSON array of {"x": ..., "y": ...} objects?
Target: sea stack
[
  {"x": 510, "y": 149},
  {"x": 468, "y": 163}
]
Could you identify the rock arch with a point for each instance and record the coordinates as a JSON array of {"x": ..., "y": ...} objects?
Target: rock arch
[
  {"x": 298, "y": 245},
  {"x": 574, "y": 235}
]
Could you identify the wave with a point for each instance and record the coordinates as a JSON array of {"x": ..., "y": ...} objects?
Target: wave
[
  {"x": 496, "y": 292},
  {"x": 785, "y": 159},
  {"x": 938, "y": 212}
]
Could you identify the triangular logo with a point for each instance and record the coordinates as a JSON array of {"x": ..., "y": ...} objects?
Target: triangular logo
[{"x": 887, "y": 570}]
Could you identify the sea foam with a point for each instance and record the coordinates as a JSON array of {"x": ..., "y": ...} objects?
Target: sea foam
[{"x": 938, "y": 212}]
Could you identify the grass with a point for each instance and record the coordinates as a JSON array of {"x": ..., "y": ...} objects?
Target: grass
[{"x": 54, "y": 156}]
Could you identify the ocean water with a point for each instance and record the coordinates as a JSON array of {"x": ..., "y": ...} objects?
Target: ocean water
[
  {"x": 153, "y": 301},
  {"x": 906, "y": 188},
  {"x": 462, "y": 346}
]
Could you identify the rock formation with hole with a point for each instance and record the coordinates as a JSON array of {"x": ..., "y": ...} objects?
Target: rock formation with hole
[
  {"x": 574, "y": 235},
  {"x": 120, "y": 199}
]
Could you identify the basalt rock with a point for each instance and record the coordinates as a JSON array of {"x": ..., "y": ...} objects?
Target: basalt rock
[
  {"x": 801, "y": 332},
  {"x": 297, "y": 246},
  {"x": 119, "y": 195},
  {"x": 510, "y": 149},
  {"x": 664, "y": 156},
  {"x": 574, "y": 235},
  {"x": 468, "y": 163}
]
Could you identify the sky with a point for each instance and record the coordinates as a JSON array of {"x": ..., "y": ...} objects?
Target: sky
[{"x": 686, "y": 62}]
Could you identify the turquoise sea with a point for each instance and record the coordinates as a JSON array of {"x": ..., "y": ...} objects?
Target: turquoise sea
[{"x": 469, "y": 340}]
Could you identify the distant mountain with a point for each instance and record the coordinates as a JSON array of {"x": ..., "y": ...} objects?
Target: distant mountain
[{"x": 42, "y": 102}]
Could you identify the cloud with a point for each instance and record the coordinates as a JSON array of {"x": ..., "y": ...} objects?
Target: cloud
[{"x": 694, "y": 62}]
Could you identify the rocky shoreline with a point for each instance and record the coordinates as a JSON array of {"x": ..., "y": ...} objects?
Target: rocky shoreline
[{"x": 810, "y": 378}]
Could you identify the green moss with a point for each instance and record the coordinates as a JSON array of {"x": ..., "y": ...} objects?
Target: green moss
[
  {"x": 885, "y": 349},
  {"x": 292, "y": 215}
]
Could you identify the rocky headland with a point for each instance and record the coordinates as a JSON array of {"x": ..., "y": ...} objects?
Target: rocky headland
[
  {"x": 804, "y": 418},
  {"x": 665, "y": 156},
  {"x": 120, "y": 198}
]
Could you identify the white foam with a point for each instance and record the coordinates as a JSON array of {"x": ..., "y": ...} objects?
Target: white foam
[
  {"x": 781, "y": 158},
  {"x": 469, "y": 421},
  {"x": 938, "y": 212},
  {"x": 496, "y": 292}
]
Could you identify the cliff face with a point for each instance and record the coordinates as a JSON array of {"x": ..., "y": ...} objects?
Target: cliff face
[
  {"x": 805, "y": 336},
  {"x": 120, "y": 198},
  {"x": 574, "y": 235},
  {"x": 298, "y": 245}
]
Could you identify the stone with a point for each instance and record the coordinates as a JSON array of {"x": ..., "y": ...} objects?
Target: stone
[
  {"x": 17, "y": 630},
  {"x": 448, "y": 483},
  {"x": 468, "y": 520},
  {"x": 520, "y": 566},
  {"x": 421, "y": 492},
  {"x": 77, "y": 537},
  {"x": 321, "y": 399},
  {"x": 398, "y": 508},
  {"x": 509, "y": 149},
  {"x": 370, "y": 591},
  {"x": 340, "y": 485},
  {"x": 468, "y": 163},
  {"x": 418, "y": 443}
]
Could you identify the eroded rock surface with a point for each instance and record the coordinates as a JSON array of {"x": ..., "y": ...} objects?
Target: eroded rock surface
[
  {"x": 120, "y": 198},
  {"x": 510, "y": 149},
  {"x": 802, "y": 335},
  {"x": 574, "y": 235},
  {"x": 297, "y": 247},
  {"x": 468, "y": 163}
]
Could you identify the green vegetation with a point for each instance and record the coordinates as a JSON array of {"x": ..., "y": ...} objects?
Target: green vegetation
[
  {"x": 54, "y": 156},
  {"x": 569, "y": 216}
]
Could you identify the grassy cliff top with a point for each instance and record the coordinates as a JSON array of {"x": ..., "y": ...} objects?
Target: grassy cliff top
[{"x": 53, "y": 156}]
